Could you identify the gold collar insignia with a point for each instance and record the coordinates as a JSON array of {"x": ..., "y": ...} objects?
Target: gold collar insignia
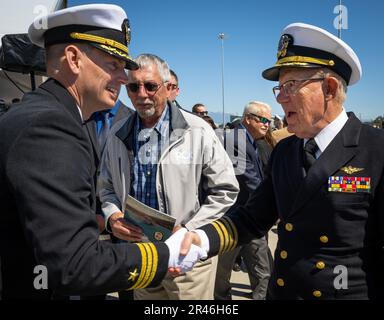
[{"x": 351, "y": 170}]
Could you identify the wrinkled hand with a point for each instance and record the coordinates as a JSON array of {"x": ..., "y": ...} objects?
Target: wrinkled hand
[
  {"x": 181, "y": 263},
  {"x": 124, "y": 230}
]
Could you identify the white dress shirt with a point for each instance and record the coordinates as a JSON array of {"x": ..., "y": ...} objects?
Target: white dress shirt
[{"x": 327, "y": 134}]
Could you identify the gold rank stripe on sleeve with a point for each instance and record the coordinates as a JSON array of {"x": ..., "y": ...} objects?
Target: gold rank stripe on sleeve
[
  {"x": 149, "y": 262},
  {"x": 143, "y": 266},
  {"x": 227, "y": 233},
  {"x": 153, "y": 261},
  {"x": 232, "y": 240},
  {"x": 216, "y": 225},
  {"x": 223, "y": 235}
]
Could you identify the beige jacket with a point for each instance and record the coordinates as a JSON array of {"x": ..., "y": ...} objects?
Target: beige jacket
[
  {"x": 195, "y": 179},
  {"x": 281, "y": 134}
]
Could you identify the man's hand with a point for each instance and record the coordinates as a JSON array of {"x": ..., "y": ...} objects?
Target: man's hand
[
  {"x": 189, "y": 238},
  {"x": 176, "y": 228},
  {"x": 181, "y": 263},
  {"x": 124, "y": 230}
]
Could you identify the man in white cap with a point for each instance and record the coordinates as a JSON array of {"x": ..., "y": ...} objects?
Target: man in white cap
[
  {"x": 325, "y": 185},
  {"x": 48, "y": 231}
]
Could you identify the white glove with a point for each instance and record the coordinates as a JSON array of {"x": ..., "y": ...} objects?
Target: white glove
[{"x": 185, "y": 263}]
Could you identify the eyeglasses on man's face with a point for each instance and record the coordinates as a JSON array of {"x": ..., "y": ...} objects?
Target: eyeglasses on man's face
[
  {"x": 261, "y": 119},
  {"x": 174, "y": 86},
  {"x": 150, "y": 87},
  {"x": 202, "y": 113},
  {"x": 291, "y": 87}
]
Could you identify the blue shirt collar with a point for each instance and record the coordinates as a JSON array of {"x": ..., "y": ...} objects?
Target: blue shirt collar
[
  {"x": 99, "y": 115},
  {"x": 113, "y": 111}
]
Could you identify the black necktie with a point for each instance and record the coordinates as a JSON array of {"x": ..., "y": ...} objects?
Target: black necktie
[
  {"x": 310, "y": 149},
  {"x": 258, "y": 160},
  {"x": 103, "y": 133}
]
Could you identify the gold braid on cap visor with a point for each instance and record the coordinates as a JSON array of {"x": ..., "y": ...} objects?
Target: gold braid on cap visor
[
  {"x": 114, "y": 50},
  {"x": 303, "y": 60},
  {"x": 101, "y": 40}
]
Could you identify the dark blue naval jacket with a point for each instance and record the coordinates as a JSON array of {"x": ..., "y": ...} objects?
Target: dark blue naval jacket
[
  {"x": 330, "y": 240},
  {"x": 47, "y": 207}
]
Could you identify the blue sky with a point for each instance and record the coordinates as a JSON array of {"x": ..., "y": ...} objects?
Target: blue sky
[{"x": 185, "y": 34}]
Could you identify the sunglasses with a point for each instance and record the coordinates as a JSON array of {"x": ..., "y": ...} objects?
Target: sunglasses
[
  {"x": 202, "y": 113},
  {"x": 261, "y": 119},
  {"x": 150, "y": 87}
]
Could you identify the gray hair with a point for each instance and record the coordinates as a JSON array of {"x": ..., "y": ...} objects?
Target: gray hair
[
  {"x": 145, "y": 60},
  {"x": 342, "y": 89},
  {"x": 341, "y": 94},
  {"x": 255, "y": 107}
]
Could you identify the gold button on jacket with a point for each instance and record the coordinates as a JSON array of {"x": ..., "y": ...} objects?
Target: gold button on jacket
[
  {"x": 289, "y": 226},
  {"x": 280, "y": 282},
  {"x": 316, "y": 293}
]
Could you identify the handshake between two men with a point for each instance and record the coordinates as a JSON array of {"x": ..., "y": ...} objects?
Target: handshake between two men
[{"x": 185, "y": 249}]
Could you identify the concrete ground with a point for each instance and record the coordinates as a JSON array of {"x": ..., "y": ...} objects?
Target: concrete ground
[{"x": 240, "y": 280}]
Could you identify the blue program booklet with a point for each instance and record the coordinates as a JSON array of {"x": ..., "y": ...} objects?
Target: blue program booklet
[{"x": 156, "y": 225}]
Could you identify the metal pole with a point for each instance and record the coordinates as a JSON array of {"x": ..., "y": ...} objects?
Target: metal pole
[
  {"x": 339, "y": 30},
  {"x": 222, "y": 36}
]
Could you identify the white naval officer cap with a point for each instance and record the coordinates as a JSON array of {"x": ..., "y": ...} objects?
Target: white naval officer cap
[
  {"x": 307, "y": 46},
  {"x": 104, "y": 26}
]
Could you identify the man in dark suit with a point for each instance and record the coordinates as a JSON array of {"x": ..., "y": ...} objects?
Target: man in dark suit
[
  {"x": 249, "y": 153},
  {"x": 325, "y": 185},
  {"x": 98, "y": 127},
  {"x": 48, "y": 233}
]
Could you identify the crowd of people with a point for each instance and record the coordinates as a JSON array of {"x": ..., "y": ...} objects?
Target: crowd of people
[{"x": 72, "y": 154}]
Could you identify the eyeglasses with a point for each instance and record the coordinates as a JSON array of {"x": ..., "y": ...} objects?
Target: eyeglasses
[
  {"x": 291, "y": 87},
  {"x": 150, "y": 87},
  {"x": 261, "y": 119},
  {"x": 174, "y": 86},
  {"x": 202, "y": 113}
]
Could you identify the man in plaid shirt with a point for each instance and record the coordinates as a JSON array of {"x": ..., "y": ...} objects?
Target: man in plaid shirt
[{"x": 172, "y": 161}]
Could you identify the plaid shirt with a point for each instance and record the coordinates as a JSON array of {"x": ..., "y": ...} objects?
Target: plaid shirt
[{"x": 147, "y": 150}]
